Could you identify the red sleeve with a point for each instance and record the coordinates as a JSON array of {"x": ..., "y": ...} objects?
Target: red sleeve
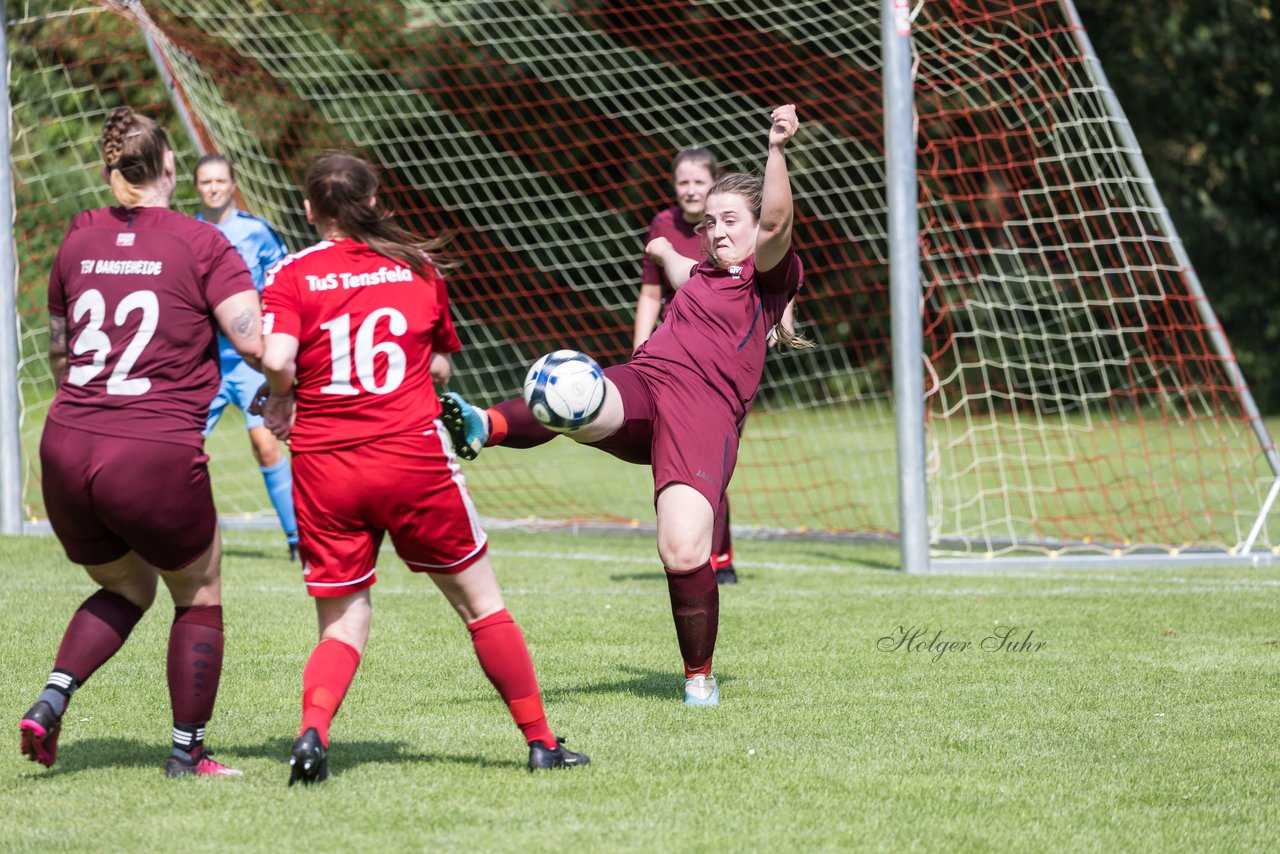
[
  {"x": 649, "y": 272},
  {"x": 227, "y": 273},
  {"x": 280, "y": 311},
  {"x": 445, "y": 338}
]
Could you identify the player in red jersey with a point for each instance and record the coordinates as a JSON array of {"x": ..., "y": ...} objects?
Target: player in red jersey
[
  {"x": 134, "y": 293},
  {"x": 680, "y": 403},
  {"x": 360, "y": 322}
]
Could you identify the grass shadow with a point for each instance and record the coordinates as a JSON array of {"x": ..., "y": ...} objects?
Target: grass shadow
[
  {"x": 640, "y": 682},
  {"x": 851, "y": 556},
  {"x": 638, "y": 576},
  {"x": 345, "y": 755},
  {"x": 95, "y": 754},
  {"x": 110, "y": 752}
]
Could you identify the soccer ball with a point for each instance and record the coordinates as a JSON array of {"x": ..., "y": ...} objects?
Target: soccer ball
[{"x": 564, "y": 390}]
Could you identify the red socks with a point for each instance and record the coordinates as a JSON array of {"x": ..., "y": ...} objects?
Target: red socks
[
  {"x": 512, "y": 425},
  {"x": 325, "y": 681},
  {"x": 504, "y": 657},
  {"x": 695, "y": 606},
  {"x": 195, "y": 662}
]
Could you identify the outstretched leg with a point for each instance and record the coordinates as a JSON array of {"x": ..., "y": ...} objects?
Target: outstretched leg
[{"x": 511, "y": 424}]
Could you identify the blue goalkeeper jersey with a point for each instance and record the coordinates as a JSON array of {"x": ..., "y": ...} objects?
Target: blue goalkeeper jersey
[{"x": 260, "y": 247}]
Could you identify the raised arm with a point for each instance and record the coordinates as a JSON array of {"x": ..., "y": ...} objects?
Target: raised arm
[
  {"x": 776, "y": 210},
  {"x": 239, "y": 317},
  {"x": 677, "y": 268}
]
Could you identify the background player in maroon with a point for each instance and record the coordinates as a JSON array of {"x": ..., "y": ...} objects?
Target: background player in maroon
[
  {"x": 360, "y": 321},
  {"x": 133, "y": 297},
  {"x": 680, "y": 403}
]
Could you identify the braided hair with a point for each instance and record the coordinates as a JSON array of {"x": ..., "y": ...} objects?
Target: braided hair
[{"x": 133, "y": 149}]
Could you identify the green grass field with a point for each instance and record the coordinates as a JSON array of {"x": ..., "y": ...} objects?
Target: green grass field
[{"x": 1147, "y": 721}]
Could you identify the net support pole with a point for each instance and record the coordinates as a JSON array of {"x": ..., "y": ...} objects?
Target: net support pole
[
  {"x": 1124, "y": 131},
  {"x": 170, "y": 84},
  {"x": 10, "y": 402},
  {"x": 904, "y": 281}
]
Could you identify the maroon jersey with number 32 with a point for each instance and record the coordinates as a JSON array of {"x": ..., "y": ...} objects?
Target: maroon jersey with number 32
[{"x": 138, "y": 287}]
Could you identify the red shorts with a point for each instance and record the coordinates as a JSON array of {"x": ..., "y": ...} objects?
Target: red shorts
[
  {"x": 409, "y": 485},
  {"x": 109, "y": 495},
  {"x": 684, "y": 431}
]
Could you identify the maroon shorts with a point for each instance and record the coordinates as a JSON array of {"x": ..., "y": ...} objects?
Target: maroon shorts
[
  {"x": 109, "y": 495},
  {"x": 685, "y": 432},
  {"x": 409, "y": 485}
]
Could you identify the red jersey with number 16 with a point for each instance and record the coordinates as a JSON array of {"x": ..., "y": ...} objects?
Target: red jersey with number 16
[{"x": 366, "y": 327}]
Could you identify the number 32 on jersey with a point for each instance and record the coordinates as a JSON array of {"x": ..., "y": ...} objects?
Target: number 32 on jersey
[{"x": 92, "y": 339}]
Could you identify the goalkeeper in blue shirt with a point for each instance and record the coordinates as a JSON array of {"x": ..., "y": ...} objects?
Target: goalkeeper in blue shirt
[{"x": 260, "y": 247}]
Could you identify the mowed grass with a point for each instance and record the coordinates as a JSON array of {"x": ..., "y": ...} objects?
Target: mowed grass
[{"x": 1147, "y": 721}]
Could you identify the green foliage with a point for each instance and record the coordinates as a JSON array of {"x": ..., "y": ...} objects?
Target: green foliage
[{"x": 1198, "y": 82}]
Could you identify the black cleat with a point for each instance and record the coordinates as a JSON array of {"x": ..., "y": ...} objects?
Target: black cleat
[
  {"x": 40, "y": 727},
  {"x": 561, "y": 757},
  {"x": 726, "y": 575},
  {"x": 467, "y": 428},
  {"x": 309, "y": 762}
]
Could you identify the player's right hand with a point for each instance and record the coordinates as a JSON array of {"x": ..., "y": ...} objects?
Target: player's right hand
[
  {"x": 658, "y": 249},
  {"x": 785, "y": 125}
]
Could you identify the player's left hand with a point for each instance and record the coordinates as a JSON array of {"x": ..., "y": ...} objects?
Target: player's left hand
[
  {"x": 278, "y": 415},
  {"x": 785, "y": 125},
  {"x": 259, "y": 398}
]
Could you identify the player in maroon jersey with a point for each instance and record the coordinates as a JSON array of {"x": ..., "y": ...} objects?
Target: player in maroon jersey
[
  {"x": 680, "y": 403},
  {"x": 693, "y": 171},
  {"x": 360, "y": 322},
  {"x": 134, "y": 293}
]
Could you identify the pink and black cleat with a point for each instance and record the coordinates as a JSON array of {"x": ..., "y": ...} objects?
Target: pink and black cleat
[{"x": 40, "y": 727}]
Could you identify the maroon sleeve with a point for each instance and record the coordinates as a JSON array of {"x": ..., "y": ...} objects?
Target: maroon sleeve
[
  {"x": 649, "y": 272},
  {"x": 227, "y": 274},
  {"x": 785, "y": 278},
  {"x": 445, "y": 338}
]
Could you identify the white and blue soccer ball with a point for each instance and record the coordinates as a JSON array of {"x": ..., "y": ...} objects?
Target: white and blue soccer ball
[{"x": 564, "y": 390}]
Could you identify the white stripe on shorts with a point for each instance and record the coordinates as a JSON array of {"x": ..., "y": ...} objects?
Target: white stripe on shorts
[{"x": 477, "y": 530}]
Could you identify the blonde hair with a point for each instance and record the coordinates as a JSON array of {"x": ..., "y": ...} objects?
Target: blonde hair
[
  {"x": 133, "y": 149},
  {"x": 751, "y": 189}
]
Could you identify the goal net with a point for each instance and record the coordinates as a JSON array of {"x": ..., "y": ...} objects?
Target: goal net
[{"x": 1075, "y": 397}]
